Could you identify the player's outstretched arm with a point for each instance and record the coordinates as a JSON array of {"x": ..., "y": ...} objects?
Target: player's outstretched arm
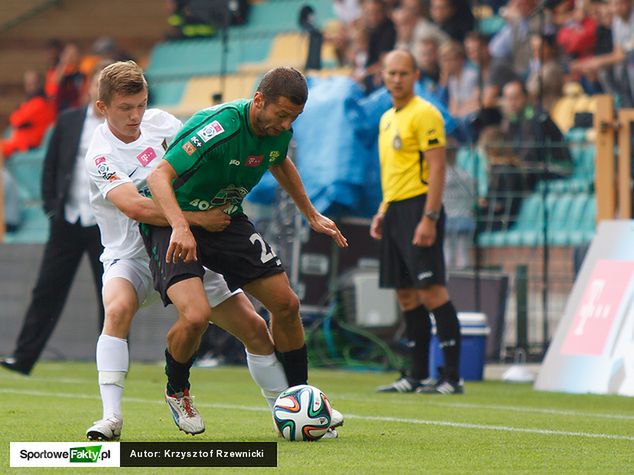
[
  {"x": 139, "y": 208},
  {"x": 288, "y": 177},
  {"x": 182, "y": 243}
]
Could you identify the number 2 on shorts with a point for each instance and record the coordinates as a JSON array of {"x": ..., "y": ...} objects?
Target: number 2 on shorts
[{"x": 264, "y": 255}]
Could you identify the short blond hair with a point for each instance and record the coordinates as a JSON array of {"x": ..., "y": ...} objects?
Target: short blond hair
[{"x": 123, "y": 77}]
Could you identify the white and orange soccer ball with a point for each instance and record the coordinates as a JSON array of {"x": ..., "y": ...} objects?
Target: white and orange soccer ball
[{"x": 302, "y": 413}]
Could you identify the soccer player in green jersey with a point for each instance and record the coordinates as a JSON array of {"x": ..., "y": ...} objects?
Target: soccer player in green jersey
[{"x": 220, "y": 154}]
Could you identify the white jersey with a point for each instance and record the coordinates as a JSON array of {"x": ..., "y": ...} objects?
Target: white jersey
[{"x": 110, "y": 163}]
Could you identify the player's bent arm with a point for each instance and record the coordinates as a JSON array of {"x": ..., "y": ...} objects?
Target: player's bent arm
[
  {"x": 286, "y": 174},
  {"x": 182, "y": 244},
  {"x": 160, "y": 184},
  {"x": 288, "y": 177},
  {"x": 139, "y": 208},
  {"x": 135, "y": 206}
]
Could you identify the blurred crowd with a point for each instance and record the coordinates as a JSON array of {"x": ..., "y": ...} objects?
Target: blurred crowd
[
  {"x": 59, "y": 85},
  {"x": 468, "y": 52}
]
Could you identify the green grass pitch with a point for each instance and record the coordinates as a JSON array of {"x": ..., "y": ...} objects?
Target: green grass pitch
[{"x": 493, "y": 428}]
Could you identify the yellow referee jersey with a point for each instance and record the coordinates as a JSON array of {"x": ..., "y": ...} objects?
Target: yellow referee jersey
[{"x": 404, "y": 135}]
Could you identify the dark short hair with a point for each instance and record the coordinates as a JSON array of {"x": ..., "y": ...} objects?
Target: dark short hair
[{"x": 284, "y": 82}]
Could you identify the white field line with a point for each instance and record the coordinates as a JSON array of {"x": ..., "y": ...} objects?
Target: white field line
[
  {"x": 402, "y": 420},
  {"x": 496, "y": 407},
  {"x": 400, "y": 402}
]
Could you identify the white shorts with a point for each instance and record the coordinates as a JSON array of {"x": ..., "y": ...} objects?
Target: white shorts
[{"x": 137, "y": 272}]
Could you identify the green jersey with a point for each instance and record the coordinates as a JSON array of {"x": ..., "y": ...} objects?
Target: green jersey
[{"x": 218, "y": 158}]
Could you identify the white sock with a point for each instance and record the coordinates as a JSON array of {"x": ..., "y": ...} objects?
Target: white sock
[
  {"x": 113, "y": 361},
  {"x": 268, "y": 373}
]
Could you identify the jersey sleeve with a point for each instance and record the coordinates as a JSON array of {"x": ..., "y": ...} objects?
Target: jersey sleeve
[
  {"x": 104, "y": 173},
  {"x": 199, "y": 137},
  {"x": 430, "y": 128}
]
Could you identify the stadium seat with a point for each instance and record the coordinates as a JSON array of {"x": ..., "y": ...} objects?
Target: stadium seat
[
  {"x": 526, "y": 219},
  {"x": 166, "y": 93},
  {"x": 586, "y": 227},
  {"x": 34, "y": 228},
  {"x": 26, "y": 169}
]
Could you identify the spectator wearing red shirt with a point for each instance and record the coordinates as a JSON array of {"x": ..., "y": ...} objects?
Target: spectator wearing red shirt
[{"x": 31, "y": 119}]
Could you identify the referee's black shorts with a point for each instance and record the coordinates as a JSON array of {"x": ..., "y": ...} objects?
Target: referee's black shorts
[{"x": 403, "y": 265}]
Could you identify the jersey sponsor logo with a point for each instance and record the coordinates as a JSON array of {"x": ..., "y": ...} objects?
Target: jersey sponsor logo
[
  {"x": 254, "y": 160},
  {"x": 196, "y": 141},
  {"x": 425, "y": 275},
  {"x": 234, "y": 162},
  {"x": 146, "y": 156},
  {"x": 99, "y": 160},
  {"x": 274, "y": 155},
  {"x": 189, "y": 148},
  {"x": 210, "y": 131}
]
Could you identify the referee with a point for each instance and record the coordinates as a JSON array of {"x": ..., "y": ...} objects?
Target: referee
[{"x": 410, "y": 225}]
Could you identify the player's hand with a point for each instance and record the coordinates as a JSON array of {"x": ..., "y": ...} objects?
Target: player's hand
[
  {"x": 376, "y": 228},
  {"x": 182, "y": 246},
  {"x": 214, "y": 220},
  {"x": 321, "y": 224},
  {"x": 425, "y": 233}
]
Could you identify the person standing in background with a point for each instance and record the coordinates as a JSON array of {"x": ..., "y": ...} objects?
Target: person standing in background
[{"x": 410, "y": 224}]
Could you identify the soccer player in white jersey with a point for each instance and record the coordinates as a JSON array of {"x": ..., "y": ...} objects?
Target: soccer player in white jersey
[{"x": 124, "y": 150}]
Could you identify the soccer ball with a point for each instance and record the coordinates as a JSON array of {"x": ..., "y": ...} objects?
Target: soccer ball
[{"x": 302, "y": 413}]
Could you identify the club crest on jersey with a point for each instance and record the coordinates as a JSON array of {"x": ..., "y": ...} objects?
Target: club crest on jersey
[
  {"x": 210, "y": 131},
  {"x": 146, "y": 156},
  {"x": 106, "y": 173},
  {"x": 189, "y": 148},
  {"x": 254, "y": 160},
  {"x": 274, "y": 155}
]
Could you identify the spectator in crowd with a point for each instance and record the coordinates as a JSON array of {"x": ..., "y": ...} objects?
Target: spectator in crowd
[
  {"x": 536, "y": 139},
  {"x": 459, "y": 200},
  {"x": 462, "y": 83},
  {"x": 348, "y": 11},
  {"x": 315, "y": 37},
  {"x": 577, "y": 34},
  {"x": 191, "y": 19},
  {"x": 511, "y": 43},
  {"x": 54, "y": 48},
  {"x": 494, "y": 75},
  {"x": 103, "y": 48},
  {"x": 426, "y": 55},
  {"x": 545, "y": 82},
  {"x": 357, "y": 54},
  {"x": 31, "y": 119},
  {"x": 410, "y": 224},
  {"x": 620, "y": 58},
  {"x": 381, "y": 39},
  {"x": 506, "y": 183},
  {"x": 425, "y": 26},
  {"x": 405, "y": 18},
  {"x": 73, "y": 232},
  {"x": 454, "y": 17},
  {"x": 65, "y": 84}
]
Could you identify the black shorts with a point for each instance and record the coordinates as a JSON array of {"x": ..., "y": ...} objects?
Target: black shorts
[
  {"x": 239, "y": 253},
  {"x": 403, "y": 265}
]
